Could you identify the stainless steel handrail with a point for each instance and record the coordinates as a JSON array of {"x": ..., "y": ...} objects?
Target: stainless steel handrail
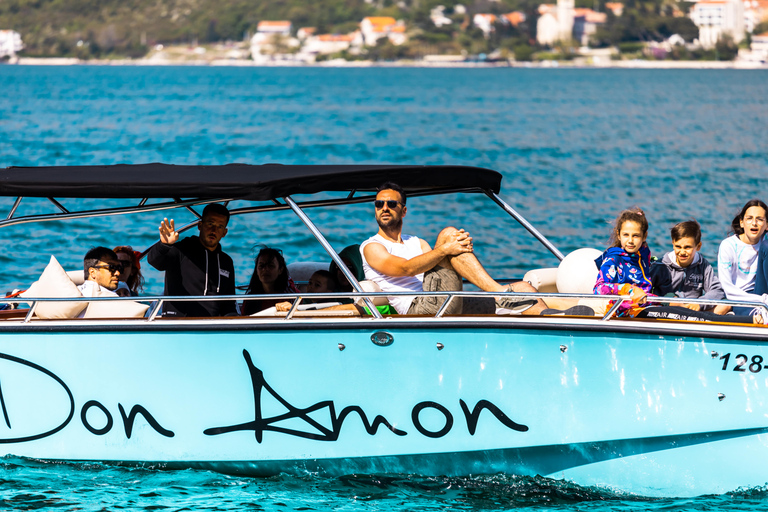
[{"x": 300, "y": 298}]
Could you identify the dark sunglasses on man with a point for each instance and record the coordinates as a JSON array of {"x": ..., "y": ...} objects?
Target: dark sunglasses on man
[
  {"x": 111, "y": 267},
  {"x": 391, "y": 204}
]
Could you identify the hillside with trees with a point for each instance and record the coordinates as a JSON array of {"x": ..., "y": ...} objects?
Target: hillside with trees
[{"x": 129, "y": 28}]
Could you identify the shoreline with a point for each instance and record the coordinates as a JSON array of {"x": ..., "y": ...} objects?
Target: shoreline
[{"x": 617, "y": 64}]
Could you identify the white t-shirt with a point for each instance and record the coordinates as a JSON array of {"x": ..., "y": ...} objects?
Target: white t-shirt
[
  {"x": 410, "y": 248},
  {"x": 737, "y": 269}
]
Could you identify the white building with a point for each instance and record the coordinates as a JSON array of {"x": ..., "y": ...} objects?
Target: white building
[
  {"x": 374, "y": 28},
  {"x": 485, "y": 23},
  {"x": 328, "y": 44},
  {"x": 10, "y": 43},
  {"x": 617, "y": 8},
  {"x": 755, "y": 12},
  {"x": 270, "y": 39},
  {"x": 514, "y": 18},
  {"x": 305, "y": 33},
  {"x": 547, "y": 27},
  {"x": 555, "y": 22},
  {"x": 438, "y": 17},
  {"x": 718, "y": 18},
  {"x": 760, "y": 44},
  {"x": 565, "y": 13}
]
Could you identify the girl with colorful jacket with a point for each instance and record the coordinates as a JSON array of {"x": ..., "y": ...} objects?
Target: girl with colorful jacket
[{"x": 624, "y": 269}]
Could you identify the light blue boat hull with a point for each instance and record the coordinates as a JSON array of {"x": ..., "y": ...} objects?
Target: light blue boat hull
[{"x": 648, "y": 413}]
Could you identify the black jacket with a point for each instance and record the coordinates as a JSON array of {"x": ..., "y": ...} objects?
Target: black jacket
[{"x": 191, "y": 269}]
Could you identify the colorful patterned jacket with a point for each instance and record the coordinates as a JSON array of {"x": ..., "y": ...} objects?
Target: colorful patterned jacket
[{"x": 618, "y": 271}]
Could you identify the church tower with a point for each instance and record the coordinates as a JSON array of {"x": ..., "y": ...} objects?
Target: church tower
[{"x": 565, "y": 19}]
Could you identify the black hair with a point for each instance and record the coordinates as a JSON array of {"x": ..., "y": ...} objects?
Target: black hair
[
  {"x": 736, "y": 222},
  {"x": 333, "y": 285},
  {"x": 281, "y": 283},
  {"x": 388, "y": 185},
  {"x": 94, "y": 256},
  {"x": 687, "y": 229},
  {"x": 216, "y": 208}
]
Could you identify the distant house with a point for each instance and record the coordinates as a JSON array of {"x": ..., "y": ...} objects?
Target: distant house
[
  {"x": 755, "y": 12},
  {"x": 514, "y": 18},
  {"x": 305, "y": 32},
  {"x": 274, "y": 27},
  {"x": 438, "y": 17},
  {"x": 718, "y": 18},
  {"x": 547, "y": 28},
  {"x": 617, "y": 8},
  {"x": 585, "y": 24},
  {"x": 270, "y": 38},
  {"x": 10, "y": 43},
  {"x": 555, "y": 22},
  {"x": 485, "y": 23},
  {"x": 760, "y": 43},
  {"x": 327, "y": 44},
  {"x": 374, "y": 28}
]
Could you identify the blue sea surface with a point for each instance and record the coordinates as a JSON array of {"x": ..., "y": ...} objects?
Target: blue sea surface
[{"x": 575, "y": 147}]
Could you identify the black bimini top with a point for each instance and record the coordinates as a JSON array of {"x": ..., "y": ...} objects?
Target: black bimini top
[{"x": 234, "y": 181}]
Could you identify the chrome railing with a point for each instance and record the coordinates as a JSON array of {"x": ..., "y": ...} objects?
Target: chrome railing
[{"x": 155, "y": 303}]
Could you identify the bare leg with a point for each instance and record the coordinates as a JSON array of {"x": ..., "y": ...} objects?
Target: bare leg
[{"x": 468, "y": 266}]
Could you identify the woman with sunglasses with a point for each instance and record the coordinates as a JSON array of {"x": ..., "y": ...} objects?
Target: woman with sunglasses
[
  {"x": 131, "y": 274},
  {"x": 270, "y": 276}
]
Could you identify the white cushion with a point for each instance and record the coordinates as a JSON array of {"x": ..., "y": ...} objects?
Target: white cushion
[
  {"x": 543, "y": 279},
  {"x": 370, "y": 286},
  {"x": 577, "y": 273},
  {"x": 113, "y": 309},
  {"x": 77, "y": 276},
  {"x": 54, "y": 282}
]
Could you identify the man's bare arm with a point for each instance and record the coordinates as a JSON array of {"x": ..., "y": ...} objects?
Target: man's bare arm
[{"x": 380, "y": 260}]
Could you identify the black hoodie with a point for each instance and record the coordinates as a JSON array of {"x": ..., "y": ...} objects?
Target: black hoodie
[{"x": 191, "y": 269}]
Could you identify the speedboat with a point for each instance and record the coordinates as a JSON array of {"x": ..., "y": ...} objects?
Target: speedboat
[{"x": 646, "y": 406}]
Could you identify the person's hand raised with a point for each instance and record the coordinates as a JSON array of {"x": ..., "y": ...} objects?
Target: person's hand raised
[{"x": 168, "y": 234}]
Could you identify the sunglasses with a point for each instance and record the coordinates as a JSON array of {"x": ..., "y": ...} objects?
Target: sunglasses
[
  {"x": 112, "y": 268},
  {"x": 391, "y": 204}
]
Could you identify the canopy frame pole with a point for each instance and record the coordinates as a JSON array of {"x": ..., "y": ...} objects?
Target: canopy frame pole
[
  {"x": 334, "y": 255},
  {"x": 527, "y": 225},
  {"x": 58, "y": 205},
  {"x": 191, "y": 210},
  {"x": 14, "y": 207},
  {"x": 105, "y": 212}
]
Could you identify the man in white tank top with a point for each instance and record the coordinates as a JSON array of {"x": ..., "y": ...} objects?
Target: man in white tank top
[{"x": 398, "y": 262}]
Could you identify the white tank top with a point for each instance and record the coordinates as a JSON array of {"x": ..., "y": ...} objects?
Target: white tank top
[{"x": 410, "y": 248}]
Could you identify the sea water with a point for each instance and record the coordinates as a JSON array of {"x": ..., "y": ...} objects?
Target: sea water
[{"x": 574, "y": 146}]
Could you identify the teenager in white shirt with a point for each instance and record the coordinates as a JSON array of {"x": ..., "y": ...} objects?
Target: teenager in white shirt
[{"x": 737, "y": 259}]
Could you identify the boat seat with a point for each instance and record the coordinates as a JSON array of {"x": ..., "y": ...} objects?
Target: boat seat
[{"x": 577, "y": 273}]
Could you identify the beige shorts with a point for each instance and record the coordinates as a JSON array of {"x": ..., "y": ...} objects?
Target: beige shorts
[{"x": 441, "y": 279}]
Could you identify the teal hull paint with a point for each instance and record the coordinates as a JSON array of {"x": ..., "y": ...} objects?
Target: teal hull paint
[{"x": 596, "y": 408}]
